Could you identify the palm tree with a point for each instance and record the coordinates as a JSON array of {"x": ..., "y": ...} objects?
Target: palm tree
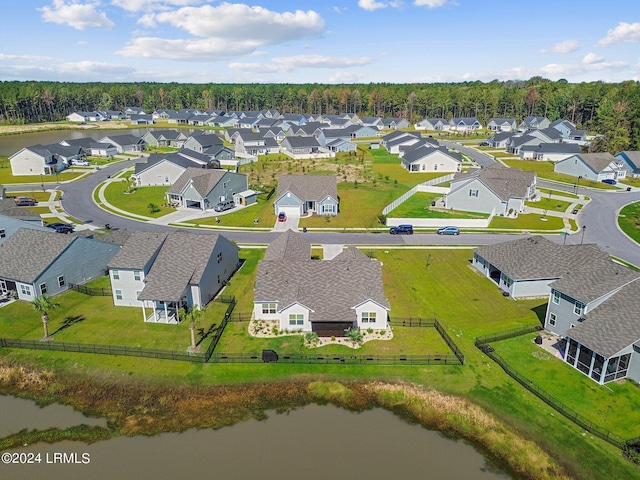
[
  {"x": 355, "y": 336},
  {"x": 192, "y": 316},
  {"x": 43, "y": 305}
]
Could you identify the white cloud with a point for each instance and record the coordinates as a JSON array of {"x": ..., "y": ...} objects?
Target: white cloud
[
  {"x": 239, "y": 21},
  {"x": 140, "y": 5},
  {"x": 81, "y": 43},
  {"x": 592, "y": 58},
  {"x": 24, "y": 58},
  {"x": 339, "y": 9},
  {"x": 430, "y": 3},
  {"x": 346, "y": 77},
  {"x": 624, "y": 32},
  {"x": 76, "y": 15},
  {"x": 566, "y": 46},
  {"x": 187, "y": 49},
  {"x": 52, "y": 69},
  {"x": 95, "y": 68},
  {"x": 287, "y": 64},
  {"x": 371, "y": 5}
]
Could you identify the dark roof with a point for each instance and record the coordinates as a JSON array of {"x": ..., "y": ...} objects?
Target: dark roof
[
  {"x": 139, "y": 248},
  {"x": 500, "y": 120},
  {"x": 552, "y": 133},
  {"x": 203, "y": 180},
  {"x": 290, "y": 246},
  {"x": 181, "y": 262},
  {"x": 27, "y": 253},
  {"x": 559, "y": 148},
  {"x": 465, "y": 120},
  {"x": 416, "y": 154},
  {"x": 301, "y": 142},
  {"x": 117, "y": 236},
  {"x": 498, "y": 137},
  {"x": 8, "y": 208},
  {"x": 536, "y": 258},
  {"x": 123, "y": 139},
  {"x": 308, "y": 187}
]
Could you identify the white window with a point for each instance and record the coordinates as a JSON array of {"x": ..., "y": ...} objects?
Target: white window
[
  {"x": 328, "y": 208},
  {"x": 61, "y": 281},
  {"x": 43, "y": 289},
  {"x": 552, "y": 319},
  {"x": 25, "y": 290},
  {"x": 556, "y": 297},
  {"x": 369, "y": 317},
  {"x": 116, "y": 274},
  {"x": 137, "y": 274},
  {"x": 578, "y": 308},
  {"x": 473, "y": 193},
  {"x": 118, "y": 294},
  {"x": 268, "y": 308},
  {"x": 296, "y": 319}
]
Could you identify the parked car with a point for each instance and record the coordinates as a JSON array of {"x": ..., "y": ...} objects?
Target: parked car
[
  {"x": 609, "y": 181},
  {"x": 448, "y": 231},
  {"x": 401, "y": 230},
  {"x": 25, "y": 201},
  {"x": 226, "y": 205},
  {"x": 60, "y": 227},
  {"x": 282, "y": 217},
  {"x": 483, "y": 144},
  {"x": 79, "y": 163}
]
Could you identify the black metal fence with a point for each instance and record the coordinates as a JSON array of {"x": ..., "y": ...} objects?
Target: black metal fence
[
  {"x": 483, "y": 344},
  {"x": 94, "y": 292},
  {"x": 271, "y": 193},
  {"x": 220, "y": 330},
  {"x": 338, "y": 359},
  {"x": 430, "y": 323}
]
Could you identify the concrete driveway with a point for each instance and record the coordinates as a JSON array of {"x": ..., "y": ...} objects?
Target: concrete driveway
[{"x": 290, "y": 224}]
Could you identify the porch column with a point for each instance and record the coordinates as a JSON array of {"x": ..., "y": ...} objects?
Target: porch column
[
  {"x": 593, "y": 359},
  {"x": 144, "y": 313},
  {"x": 605, "y": 364},
  {"x": 166, "y": 313},
  {"x": 155, "y": 311},
  {"x": 575, "y": 360}
]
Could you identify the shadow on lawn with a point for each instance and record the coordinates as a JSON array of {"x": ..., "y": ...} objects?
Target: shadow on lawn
[
  {"x": 541, "y": 312},
  {"x": 69, "y": 321},
  {"x": 204, "y": 335}
]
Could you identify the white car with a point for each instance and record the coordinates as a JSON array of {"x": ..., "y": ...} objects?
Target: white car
[{"x": 80, "y": 163}]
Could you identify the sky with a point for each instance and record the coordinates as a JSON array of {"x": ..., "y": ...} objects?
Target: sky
[{"x": 324, "y": 41}]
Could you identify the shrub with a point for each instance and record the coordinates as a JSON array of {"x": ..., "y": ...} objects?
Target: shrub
[{"x": 153, "y": 208}]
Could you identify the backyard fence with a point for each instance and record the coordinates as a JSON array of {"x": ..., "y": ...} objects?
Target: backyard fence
[
  {"x": 94, "y": 292},
  {"x": 483, "y": 344},
  {"x": 410, "y": 193},
  {"x": 432, "y": 323},
  {"x": 220, "y": 330},
  {"x": 338, "y": 359}
]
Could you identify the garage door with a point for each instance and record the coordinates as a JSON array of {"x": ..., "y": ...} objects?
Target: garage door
[{"x": 289, "y": 211}]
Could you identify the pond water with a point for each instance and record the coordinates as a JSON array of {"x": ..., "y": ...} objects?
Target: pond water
[
  {"x": 10, "y": 144},
  {"x": 315, "y": 442}
]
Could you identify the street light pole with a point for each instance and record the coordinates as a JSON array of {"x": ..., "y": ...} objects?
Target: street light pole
[
  {"x": 42, "y": 182},
  {"x": 584, "y": 227}
]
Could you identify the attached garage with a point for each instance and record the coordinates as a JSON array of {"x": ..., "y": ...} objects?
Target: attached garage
[
  {"x": 331, "y": 329},
  {"x": 289, "y": 211},
  {"x": 193, "y": 204}
]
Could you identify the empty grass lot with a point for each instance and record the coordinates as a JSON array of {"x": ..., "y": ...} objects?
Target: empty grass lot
[
  {"x": 7, "y": 178},
  {"x": 544, "y": 169},
  {"x": 528, "y": 221},
  {"x": 629, "y": 220},
  {"x": 615, "y": 406},
  {"x": 138, "y": 201},
  {"x": 419, "y": 206}
]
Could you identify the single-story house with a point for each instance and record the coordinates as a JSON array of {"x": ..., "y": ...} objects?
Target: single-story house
[
  {"x": 499, "y": 140},
  {"x": 183, "y": 270},
  {"x": 254, "y": 143},
  {"x": 429, "y": 159},
  {"x": 464, "y": 124},
  {"x": 435, "y": 124},
  {"x": 299, "y": 146},
  {"x": 422, "y": 142},
  {"x": 552, "y": 152},
  {"x": 164, "y": 138},
  {"x": 293, "y": 118},
  {"x": 502, "y": 124},
  {"x": 142, "y": 119},
  {"x": 516, "y": 142},
  {"x": 35, "y": 262},
  {"x": 375, "y": 122},
  {"x": 301, "y": 194},
  {"x": 128, "y": 111},
  {"x": 393, "y": 136},
  {"x": 596, "y": 309},
  {"x": 547, "y": 135},
  {"x": 493, "y": 189},
  {"x": 78, "y": 117},
  {"x": 125, "y": 143},
  {"x": 328, "y": 297},
  {"x": 35, "y": 160},
  {"x": 631, "y": 162},
  {"x": 592, "y": 166},
  {"x": 203, "y": 188},
  {"x": 527, "y": 266},
  {"x": 534, "y": 123},
  {"x": 166, "y": 168},
  {"x": 394, "y": 123},
  {"x": 200, "y": 141},
  {"x": 341, "y": 145}
]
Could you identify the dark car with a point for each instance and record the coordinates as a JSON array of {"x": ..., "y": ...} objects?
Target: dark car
[
  {"x": 483, "y": 144},
  {"x": 25, "y": 201},
  {"x": 401, "y": 230},
  {"x": 60, "y": 227},
  {"x": 609, "y": 181},
  {"x": 448, "y": 231},
  {"x": 282, "y": 217}
]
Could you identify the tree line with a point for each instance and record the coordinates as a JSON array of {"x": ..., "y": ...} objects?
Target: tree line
[{"x": 611, "y": 109}]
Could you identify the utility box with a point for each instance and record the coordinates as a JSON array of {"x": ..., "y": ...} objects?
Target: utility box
[{"x": 269, "y": 356}]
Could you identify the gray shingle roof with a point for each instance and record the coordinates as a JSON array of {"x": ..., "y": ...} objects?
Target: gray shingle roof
[
  {"x": 330, "y": 288},
  {"x": 180, "y": 263},
  {"x": 27, "y": 253},
  {"x": 308, "y": 187},
  {"x": 301, "y": 142},
  {"x": 8, "y": 207},
  {"x": 419, "y": 153},
  {"x": 613, "y": 325},
  {"x": 290, "y": 246},
  {"x": 203, "y": 180},
  {"x": 536, "y": 257},
  {"x": 598, "y": 161},
  {"x": 633, "y": 156},
  {"x": 505, "y": 182},
  {"x": 138, "y": 250}
]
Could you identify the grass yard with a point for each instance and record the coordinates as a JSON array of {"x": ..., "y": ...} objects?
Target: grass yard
[
  {"x": 528, "y": 221},
  {"x": 6, "y": 178},
  {"x": 550, "y": 204},
  {"x": 419, "y": 206},
  {"x": 629, "y": 220},
  {"x": 545, "y": 170},
  {"x": 615, "y": 406},
  {"x": 261, "y": 210},
  {"x": 630, "y": 181},
  {"x": 138, "y": 201},
  {"x": 547, "y": 191}
]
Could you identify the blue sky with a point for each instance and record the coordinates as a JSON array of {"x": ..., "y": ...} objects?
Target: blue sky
[{"x": 325, "y": 41}]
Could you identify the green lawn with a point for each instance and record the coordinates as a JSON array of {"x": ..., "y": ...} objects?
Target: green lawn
[
  {"x": 629, "y": 220},
  {"x": 6, "y": 178},
  {"x": 547, "y": 191},
  {"x": 419, "y": 206},
  {"x": 549, "y": 204},
  {"x": 529, "y": 221},
  {"x": 262, "y": 210},
  {"x": 615, "y": 406},
  {"x": 545, "y": 170},
  {"x": 630, "y": 181},
  {"x": 138, "y": 201}
]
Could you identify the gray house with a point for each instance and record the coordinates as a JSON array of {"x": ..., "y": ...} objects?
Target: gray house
[
  {"x": 125, "y": 143},
  {"x": 534, "y": 123},
  {"x": 499, "y": 140},
  {"x": 301, "y": 194},
  {"x": 10, "y": 224},
  {"x": 592, "y": 166},
  {"x": 631, "y": 162},
  {"x": 328, "y": 297},
  {"x": 430, "y": 159},
  {"x": 435, "y": 124},
  {"x": 494, "y": 189},
  {"x": 527, "y": 266},
  {"x": 8, "y": 208},
  {"x": 464, "y": 124},
  {"x": 299, "y": 146},
  {"x": 502, "y": 124},
  {"x": 204, "y": 188},
  {"x": 552, "y": 152},
  {"x": 35, "y": 262},
  {"x": 165, "y": 169},
  {"x": 188, "y": 271},
  {"x": 596, "y": 309},
  {"x": 164, "y": 138}
]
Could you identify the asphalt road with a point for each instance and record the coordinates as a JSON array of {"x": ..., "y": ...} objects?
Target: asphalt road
[
  {"x": 480, "y": 158},
  {"x": 599, "y": 218}
]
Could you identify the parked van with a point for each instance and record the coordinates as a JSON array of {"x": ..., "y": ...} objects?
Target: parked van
[{"x": 226, "y": 205}]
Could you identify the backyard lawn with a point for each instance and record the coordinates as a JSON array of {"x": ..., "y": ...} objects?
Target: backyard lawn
[
  {"x": 138, "y": 201},
  {"x": 615, "y": 406},
  {"x": 545, "y": 170},
  {"x": 419, "y": 206},
  {"x": 629, "y": 220},
  {"x": 527, "y": 221}
]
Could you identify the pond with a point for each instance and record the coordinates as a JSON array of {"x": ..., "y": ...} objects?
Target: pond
[{"x": 314, "y": 442}]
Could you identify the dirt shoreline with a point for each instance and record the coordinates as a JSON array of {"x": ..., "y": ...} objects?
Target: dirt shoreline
[{"x": 44, "y": 127}]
